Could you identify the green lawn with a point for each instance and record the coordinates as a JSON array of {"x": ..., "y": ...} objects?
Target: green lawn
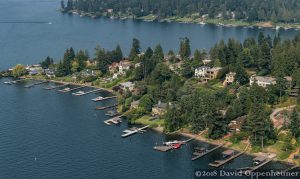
[{"x": 146, "y": 120}]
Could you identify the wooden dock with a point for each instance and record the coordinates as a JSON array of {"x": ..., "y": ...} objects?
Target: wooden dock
[
  {"x": 291, "y": 168},
  {"x": 130, "y": 132},
  {"x": 251, "y": 169},
  {"x": 69, "y": 90},
  {"x": 116, "y": 120},
  {"x": 34, "y": 84},
  {"x": 105, "y": 98},
  {"x": 55, "y": 87},
  {"x": 88, "y": 92},
  {"x": 165, "y": 148},
  {"x": 199, "y": 155},
  {"x": 105, "y": 107},
  {"x": 219, "y": 163}
]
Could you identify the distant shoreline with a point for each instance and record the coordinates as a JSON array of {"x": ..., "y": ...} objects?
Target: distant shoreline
[{"x": 187, "y": 20}]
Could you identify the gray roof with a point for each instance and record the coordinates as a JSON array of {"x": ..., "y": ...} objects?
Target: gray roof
[{"x": 161, "y": 105}]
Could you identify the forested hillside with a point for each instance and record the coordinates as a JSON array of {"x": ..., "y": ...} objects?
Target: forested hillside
[{"x": 248, "y": 10}]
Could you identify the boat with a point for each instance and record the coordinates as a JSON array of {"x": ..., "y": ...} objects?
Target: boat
[
  {"x": 171, "y": 142},
  {"x": 99, "y": 98},
  {"x": 65, "y": 90},
  {"x": 8, "y": 82},
  {"x": 176, "y": 146},
  {"x": 78, "y": 93}
]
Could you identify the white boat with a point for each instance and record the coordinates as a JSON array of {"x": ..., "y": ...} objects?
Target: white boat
[
  {"x": 65, "y": 90},
  {"x": 78, "y": 93},
  {"x": 202, "y": 23},
  {"x": 99, "y": 98},
  {"x": 171, "y": 142},
  {"x": 7, "y": 82}
]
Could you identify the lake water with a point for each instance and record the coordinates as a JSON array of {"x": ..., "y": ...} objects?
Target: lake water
[
  {"x": 30, "y": 30},
  {"x": 46, "y": 134}
]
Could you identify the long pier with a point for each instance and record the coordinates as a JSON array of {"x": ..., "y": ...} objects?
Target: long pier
[
  {"x": 34, "y": 84},
  {"x": 92, "y": 91},
  {"x": 69, "y": 90},
  {"x": 130, "y": 132},
  {"x": 105, "y": 107},
  {"x": 199, "y": 155},
  {"x": 55, "y": 87},
  {"x": 219, "y": 163},
  {"x": 13, "y": 82},
  {"x": 105, "y": 98},
  {"x": 248, "y": 170}
]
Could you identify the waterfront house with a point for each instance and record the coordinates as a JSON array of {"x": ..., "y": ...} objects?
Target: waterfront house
[
  {"x": 230, "y": 77},
  {"x": 49, "y": 73},
  {"x": 159, "y": 109},
  {"x": 262, "y": 81},
  {"x": 201, "y": 71},
  {"x": 127, "y": 86},
  {"x": 34, "y": 69}
]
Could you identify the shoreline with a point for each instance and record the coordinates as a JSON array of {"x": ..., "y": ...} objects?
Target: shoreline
[
  {"x": 202, "y": 139},
  {"x": 188, "y": 20}
]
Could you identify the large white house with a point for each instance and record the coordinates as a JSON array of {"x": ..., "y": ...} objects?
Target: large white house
[
  {"x": 200, "y": 72},
  {"x": 262, "y": 81}
]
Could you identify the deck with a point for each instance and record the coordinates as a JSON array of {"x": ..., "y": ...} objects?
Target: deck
[
  {"x": 219, "y": 163},
  {"x": 199, "y": 155}
]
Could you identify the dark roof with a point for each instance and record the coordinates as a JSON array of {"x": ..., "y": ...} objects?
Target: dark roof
[{"x": 161, "y": 105}]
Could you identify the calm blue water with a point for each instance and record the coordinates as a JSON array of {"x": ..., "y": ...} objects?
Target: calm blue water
[
  {"x": 46, "y": 134},
  {"x": 30, "y": 42}
]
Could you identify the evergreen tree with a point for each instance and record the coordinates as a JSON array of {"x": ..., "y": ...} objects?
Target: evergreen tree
[
  {"x": 258, "y": 124},
  {"x": 81, "y": 59},
  {"x": 158, "y": 54},
  {"x": 295, "y": 123},
  {"x": 185, "y": 49},
  {"x": 135, "y": 49},
  {"x": 118, "y": 53}
]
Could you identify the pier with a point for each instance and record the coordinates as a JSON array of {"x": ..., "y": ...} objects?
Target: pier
[
  {"x": 104, "y": 98},
  {"x": 13, "y": 82},
  {"x": 165, "y": 148},
  {"x": 133, "y": 131},
  {"x": 219, "y": 163},
  {"x": 116, "y": 120},
  {"x": 199, "y": 155},
  {"x": 262, "y": 161},
  {"x": 35, "y": 84},
  {"x": 105, "y": 107},
  {"x": 55, "y": 87},
  {"x": 70, "y": 89},
  {"x": 84, "y": 93}
]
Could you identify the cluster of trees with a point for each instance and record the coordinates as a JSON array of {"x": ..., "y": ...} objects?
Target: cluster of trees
[
  {"x": 250, "y": 10},
  {"x": 70, "y": 63},
  {"x": 266, "y": 55},
  {"x": 105, "y": 57}
]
